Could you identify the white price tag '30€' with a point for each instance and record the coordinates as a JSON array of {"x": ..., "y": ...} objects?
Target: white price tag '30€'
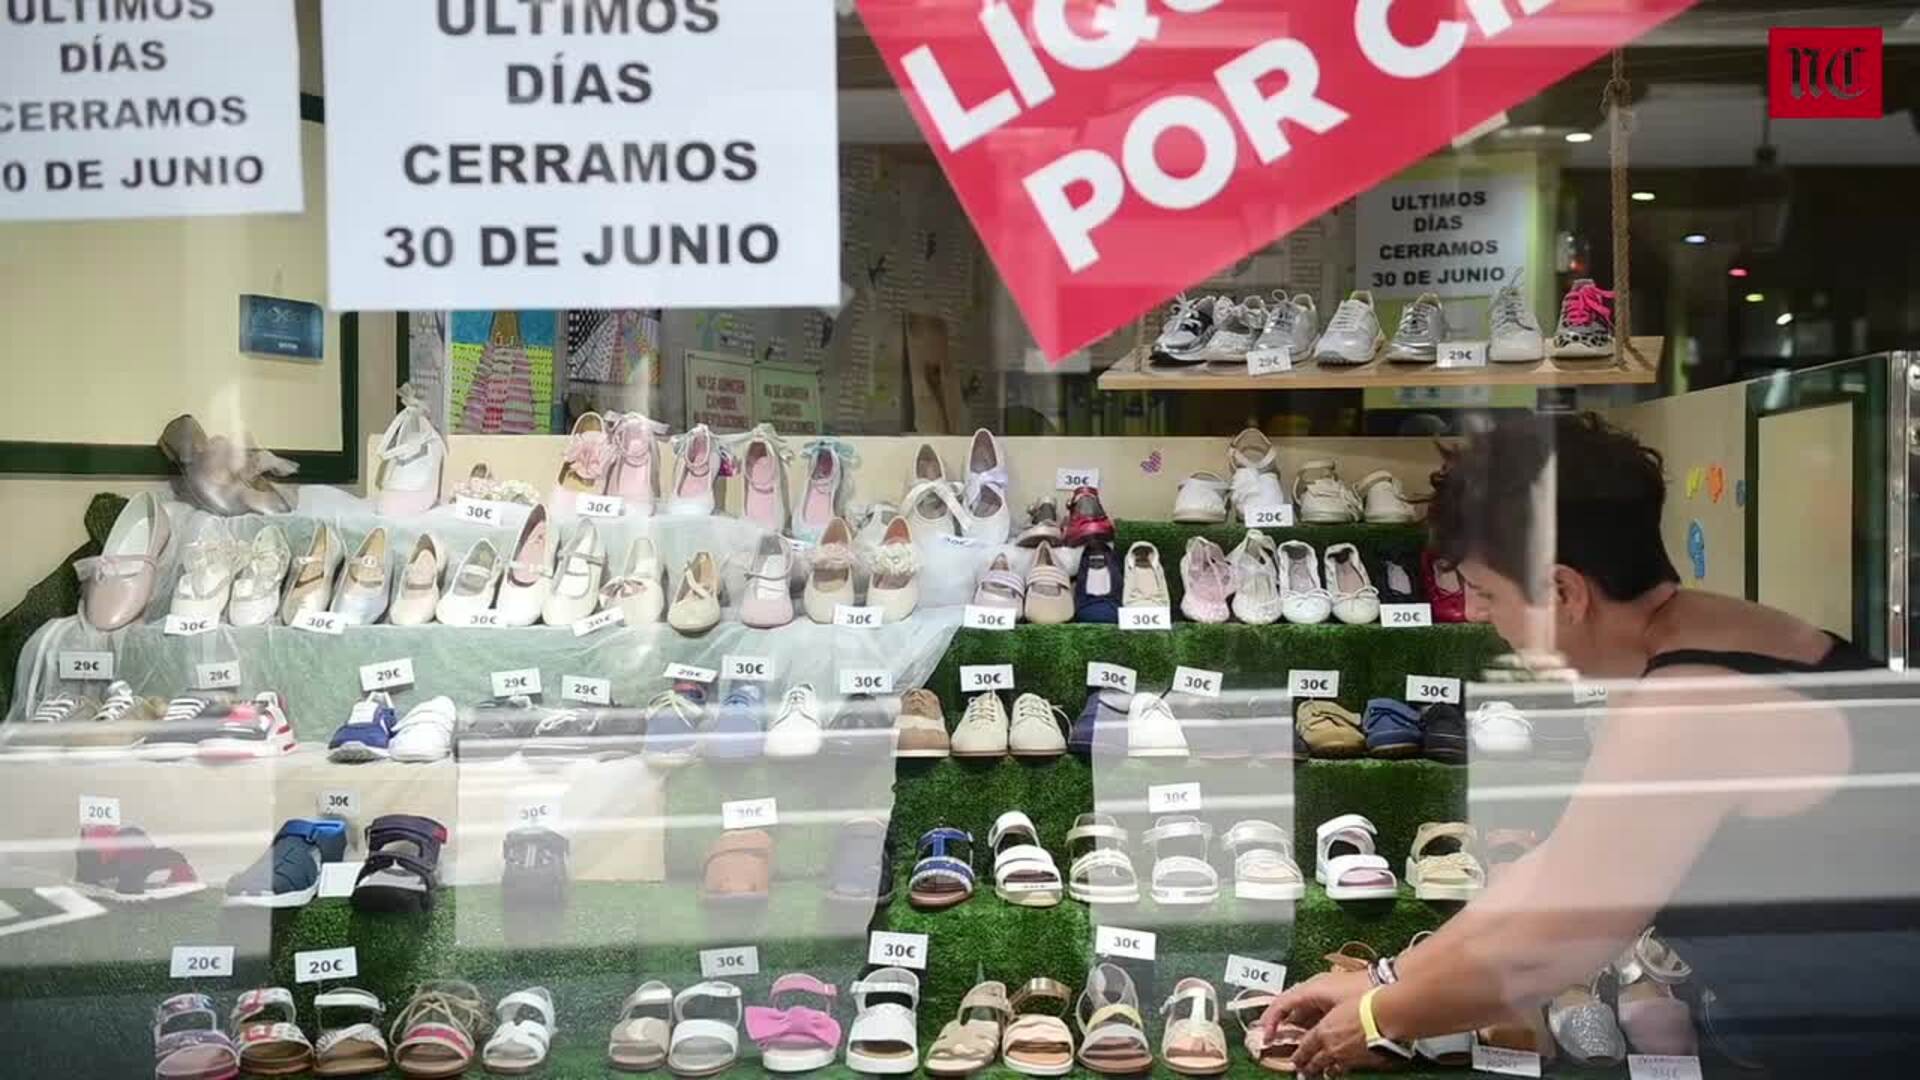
[
  {"x": 1312, "y": 683},
  {"x": 979, "y": 678},
  {"x": 749, "y": 813},
  {"x": 1146, "y": 618},
  {"x": 1197, "y": 681},
  {"x": 889, "y": 949},
  {"x": 1254, "y": 974},
  {"x": 1427, "y": 689},
  {"x": 866, "y": 681},
  {"x": 1111, "y": 677},
  {"x": 978, "y": 617},
  {"x": 1121, "y": 942},
  {"x": 748, "y": 668},
  {"x": 729, "y": 963},
  {"x": 1173, "y": 798}
]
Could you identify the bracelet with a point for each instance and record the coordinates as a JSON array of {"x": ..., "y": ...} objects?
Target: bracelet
[
  {"x": 1371, "y": 1028},
  {"x": 1384, "y": 972}
]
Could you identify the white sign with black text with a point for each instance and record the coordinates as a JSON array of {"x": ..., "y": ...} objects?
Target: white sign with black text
[
  {"x": 493, "y": 155},
  {"x": 1456, "y": 236},
  {"x": 125, "y": 110}
]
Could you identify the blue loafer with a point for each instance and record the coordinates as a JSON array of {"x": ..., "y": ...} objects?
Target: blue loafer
[{"x": 1393, "y": 729}]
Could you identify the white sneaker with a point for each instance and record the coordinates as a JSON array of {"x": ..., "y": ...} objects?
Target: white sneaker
[
  {"x": 1144, "y": 583},
  {"x": 1353, "y": 336},
  {"x": 1289, "y": 331},
  {"x": 425, "y": 734},
  {"x": 256, "y": 589},
  {"x": 983, "y": 730},
  {"x": 1235, "y": 328},
  {"x": 1586, "y": 323},
  {"x": 1188, "y": 327},
  {"x": 1423, "y": 326},
  {"x": 471, "y": 588},
  {"x": 1302, "y": 600},
  {"x": 795, "y": 732},
  {"x": 1152, "y": 729},
  {"x": 1383, "y": 501},
  {"x": 1514, "y": 334},
  {"x": 576, "y": 583},
  {"x": 528, "y": 580},
  {"x": 206, "y": 576},
  {"x": 1355, "y": 601},
  {"x": 411, "y": 458},
  {"x": 1500, "y": 730},
  {"x": 1325, "y": 499},
  {"x": 1201, "y": 500},
  {"x": 1257, "y": 599},
  {"x": 1038, "y": 728}
]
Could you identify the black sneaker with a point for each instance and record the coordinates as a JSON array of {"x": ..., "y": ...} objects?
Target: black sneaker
[
  {"x": 1446, "y": 733},
  {"x": 862, "y": 728}
]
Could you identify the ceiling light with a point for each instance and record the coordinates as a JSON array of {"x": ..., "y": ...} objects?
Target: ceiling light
[
  {"x": 1756, "y": 298},
  {"x": 1695, "y": 238},
  {"x": 1785, "y": 318},
  {"x": 1644, "y": 196},
  {"x": 1579, "y": 136},
  {"x": 1736, "y": 271}
]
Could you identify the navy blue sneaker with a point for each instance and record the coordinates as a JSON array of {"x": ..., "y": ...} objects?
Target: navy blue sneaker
[
  {"x": 365, "y": 735},
  {"x": 673, "y": 724},
  {"x": 739, "y": 730},
  {"x": 1096, "y": 591},
  {"x": 1102, "y": 725}
]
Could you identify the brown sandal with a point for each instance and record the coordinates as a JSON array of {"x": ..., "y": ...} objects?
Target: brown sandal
[{"x": 739, "y": 868}]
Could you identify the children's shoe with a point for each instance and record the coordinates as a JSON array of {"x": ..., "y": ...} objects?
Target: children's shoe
[
  {"x": 674, "y": 719},
  {"x": 1200, "y": 500},
  {"x": 366, "y": 734},
  {"x": 922, "y": 725},
  {"x": 1087, "y": 518},
  {"x": 260, "y": 732},
  {"x": 828, "y": 489},
  {"x": 795, "y": 732},
  {"x": 1586, "y": 323},
  {"x": 1323, "y": 498},
  {"x": 1145, "y": 583},
  {"x": 1302, "y": 599},
  {"x": 412, "y": 461},
  {"x": 1208, "y": 580},
  {"x": 1096, "y": 591},
  {"x": 1382, "y": 500},
  {"x": 1049, "y": 591},
  {"x": 984, "y": 729},
  {"x": 1355, "y": 601},
  {"x": 738, "y": 733},
  {"x": 768, "y": 602},
  {"x": 1445, "y": 591},
  {"x": 1256, "y": 594},
  {"x": 583, "y": 468},
  {"x": 287, "y": 874}
]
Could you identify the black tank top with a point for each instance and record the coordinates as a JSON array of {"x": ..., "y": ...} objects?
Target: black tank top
[{"x": 1804, "y": 931}]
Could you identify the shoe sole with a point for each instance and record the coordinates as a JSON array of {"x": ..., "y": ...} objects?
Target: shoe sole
[{"x": 1295, "y": 891}]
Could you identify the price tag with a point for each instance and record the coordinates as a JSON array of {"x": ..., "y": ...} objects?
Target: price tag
[
  {"x": 99, "y": 810},
  {"x": 1307, "y": 683},
  {"x": 1269, "y": 361},
  {"x": 861, "y": 618},
  {"x": 1269, "y": 517},
  {"x": 1118, "y": 941},
  {"x": 1173, "y": 798},
  {"x": 86, "y": 666},
  {"x": 488, "y": 511},
  {"x": 201, "y": 962},
  {"x": 748, "y": 668},
  {"x": 535, "y": 813},
  {"x": 486, "y": 620},
  {"x": 889, "y": 949},
  {"x": 749, "y": 814},
  {"x": 729, "y": 963},
  {"x": 1255, "y": 974},
  {"x": 978, "y": 678},
  {"x": 219, "y": 675},
  {"x": 1496, "y": 1059},
  {"x": 586, "y": 691},
  {"x": 339, "y": 804},
  {"x": 1146, "y": 618},
  {"x": 386, "y": 675},
  {"x": 1111, "y": 677},
  {"x": 866, "y": 681},
  {"x": 320, "y": 965},
  {"x": 1424, "y": 689},
  {"x": 520, "y": 681},
  {"x": 689, "y": 673},
  {"x": 1196, "y": 681},
  {"x": 337, "y": 879},
  {"x": 957, "y": 540},
  {"x": 181, "y": 626},
  {"x": 320, "y": 622},
  {"x": 613, "y": 616},
  {"x": 1068, "y": 479},
  {"x": 989, "y": 618},
  {"x": 1662, "y": 1067},
  {"x": 1406, "y": 614},
  {"x": 1589, "y": 694},
  {"x": 600, "y": 506},
  {"x": 1454, "y": 355}
]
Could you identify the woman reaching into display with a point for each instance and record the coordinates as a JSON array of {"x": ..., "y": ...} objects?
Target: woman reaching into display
[{"x": 1724, "y": 802}]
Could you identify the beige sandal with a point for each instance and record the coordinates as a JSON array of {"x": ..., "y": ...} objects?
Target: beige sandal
[
  {"x": 1194, "y": 1044},
  {"x": 350, "y": 1040},
  {"x": 1453, "y": 874},
  {"x": 1276, "y": 1054},
  {"x": 1038, "y": 1043},
  {"x": 639, "y": 1039},
  {"x": 971, "y": 1040},
  {"x": 1113, "y": 1035},
  {"x": 1353, "y": 956}
]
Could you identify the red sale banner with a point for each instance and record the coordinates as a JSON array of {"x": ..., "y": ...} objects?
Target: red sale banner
[{"x": 1112, "y": 152}]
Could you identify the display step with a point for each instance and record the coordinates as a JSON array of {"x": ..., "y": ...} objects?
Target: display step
[{"x": 1135, "y": 371}]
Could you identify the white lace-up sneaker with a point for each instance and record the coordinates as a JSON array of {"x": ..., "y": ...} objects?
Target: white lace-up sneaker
[
  {"x": 1512, "y": 330},
  {"x": 1302, "y": 600},
  {"x": 1383, "y": 501},
  {"x": 1201, "y": 500},
  {"x": 1153, "y": 730},
  {"x": 1189, "y": 326},
  {"x": 1423, "y": 326},
  {"x": 1289, "y": 331},
  {"x": 1355, "y": 601},
  {"x": 795, "y": 732},
  {"x": 1353, "y": 335},
  {"x": 1235, "y": 328},
  {"x": 1324, "y": 499},
  {"x": 983, "y": 728},
  {"x": 1038, "y": 728}
]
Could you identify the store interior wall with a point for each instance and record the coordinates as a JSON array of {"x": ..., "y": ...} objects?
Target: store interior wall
[
  {"x": 1805, "y": 571},
  {"x": 1703, "y": 431}
]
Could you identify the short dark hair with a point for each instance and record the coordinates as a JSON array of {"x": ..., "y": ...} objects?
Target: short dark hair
[{"x": 1608, "y": 492}]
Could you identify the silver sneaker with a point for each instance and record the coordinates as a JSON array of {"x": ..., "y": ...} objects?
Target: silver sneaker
[
  {"x": 1514, "y": 334},
  {"x": 1354, "y": 334},
  {"x": 1189, "y": 326},
  {"x": 1235, "y": 326},
  {"x": 1289, "y": 331},
  {"x": 1423, "y": 326}
]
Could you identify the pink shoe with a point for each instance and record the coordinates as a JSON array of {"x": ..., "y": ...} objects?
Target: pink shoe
[
  {"x": 768, "y": 602},
  {"x": 826, "y": 493},
  {"x": 630, "y": 474},
  {"x": 1208, "y": 578},
  {"x": 765, "y": 501},
  {"x": 584, "y": 468}
]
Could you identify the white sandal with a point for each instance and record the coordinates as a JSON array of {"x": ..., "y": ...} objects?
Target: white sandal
[
  {"x": 1358, "y": 874},
  {"x": 884, "y": 1038},
  {"x": 1102, "y": 872},
  {"x": 519, "y": 1044},
  {"x": 1183, "y": 878},
  {"x": 351, "y": 1043},
  {"x": 705, "y": 1045},
  {"x": 1446, "y": 875},
  {"x": 1263, "y": 866},
  {"x": 1024, "y": 873}
]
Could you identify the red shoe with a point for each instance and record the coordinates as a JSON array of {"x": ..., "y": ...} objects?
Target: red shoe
[
  {"x": 1444, "y": 590},
  {"x": 1086, "y": 518}
]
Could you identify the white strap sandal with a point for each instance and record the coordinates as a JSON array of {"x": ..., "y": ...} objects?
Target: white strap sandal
[
  {"x": 1101, "y": 872},
  {"x": 1182, "y": 878},
  {"x": 351, "y": 1042},
  {"x": 640, "y": 1037},
  {"x": 1357, "y": 873},
  {"x": 519, "y": 1044},
  {"x": 1263, "y": 865},
  {"x": 1448, "y": 874},
  {"x": 1024, "y": 873},
  {"x": 884, "y": 1039},
  {"x": 707, "y": 1043}
]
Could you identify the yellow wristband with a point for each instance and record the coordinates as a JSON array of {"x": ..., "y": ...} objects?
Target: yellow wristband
[{"x": 1367, "y": 1024}]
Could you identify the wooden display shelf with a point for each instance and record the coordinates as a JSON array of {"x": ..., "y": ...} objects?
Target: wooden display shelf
[{"x": 1134, "y": 372}]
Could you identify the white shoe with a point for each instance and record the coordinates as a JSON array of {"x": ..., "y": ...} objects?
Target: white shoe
[
  {"x": 926, "y": 467},
  {"x": 1188, "y": 327},
  {"x": 1152, "y": 729},
  {"x": 1423, "y": 326},
  {"x": 1038, "y": 728},
  {"x": 640, "y": 592},
  {"x": 894, "y": 564},
  {"x": 696, "y": 604},
  {"x": 1302, "y": 600},
  {"x": 1500, "y": 730},
  {"x": 416, "y": 590},
  {"x": 1586, "y": 323},
  {"x": 1256, "y": 600},
  {"x": 1290, "y": 327},
  {"x": 1236, "y": 326},
  {"x": 1353, "y": 335},
  {"x": 411, "y": 460},
  {"x": 983, "y": 730},
  {"x": 1383, "y": 501},
  {"x": 768, "y": 601},
  {"x": 576, "y": 586},
  {"x": 256, "y": 588},
  {"x": 528, "y": 580},
  {"x": 472, "y": 587},
  {"x": 986, "y": 467},
  {"x": 986, "y": 517},
  {"x": 1355, "y": 601},
  {"x": 206, "y": 576},
  {"x": 1256, "y": 472},
  {"x": 310, "y": 576},
  {"x": 425, "y": 734},
  {"x": 829, "y": 485},
  {"x": 933, "y": 511},
  {"x": 795, "y": 731},
  {"x": 830, "y": 573},
  {"x": 696, "y": 473},
  {"x": 365, "y": 582},
  {"x": 1513, "y": 333},
  {"x": 1324, "y": 499},
  {"x": 1201, "y": 500},
  {"x": 1207, "y": 579},
  {"x": 1143, "y": 583}
]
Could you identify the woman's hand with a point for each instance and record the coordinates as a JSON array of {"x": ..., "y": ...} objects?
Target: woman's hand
[
  {"x": 1309, "y": 1001},
  {"x": 1337, "y": 1044}
]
